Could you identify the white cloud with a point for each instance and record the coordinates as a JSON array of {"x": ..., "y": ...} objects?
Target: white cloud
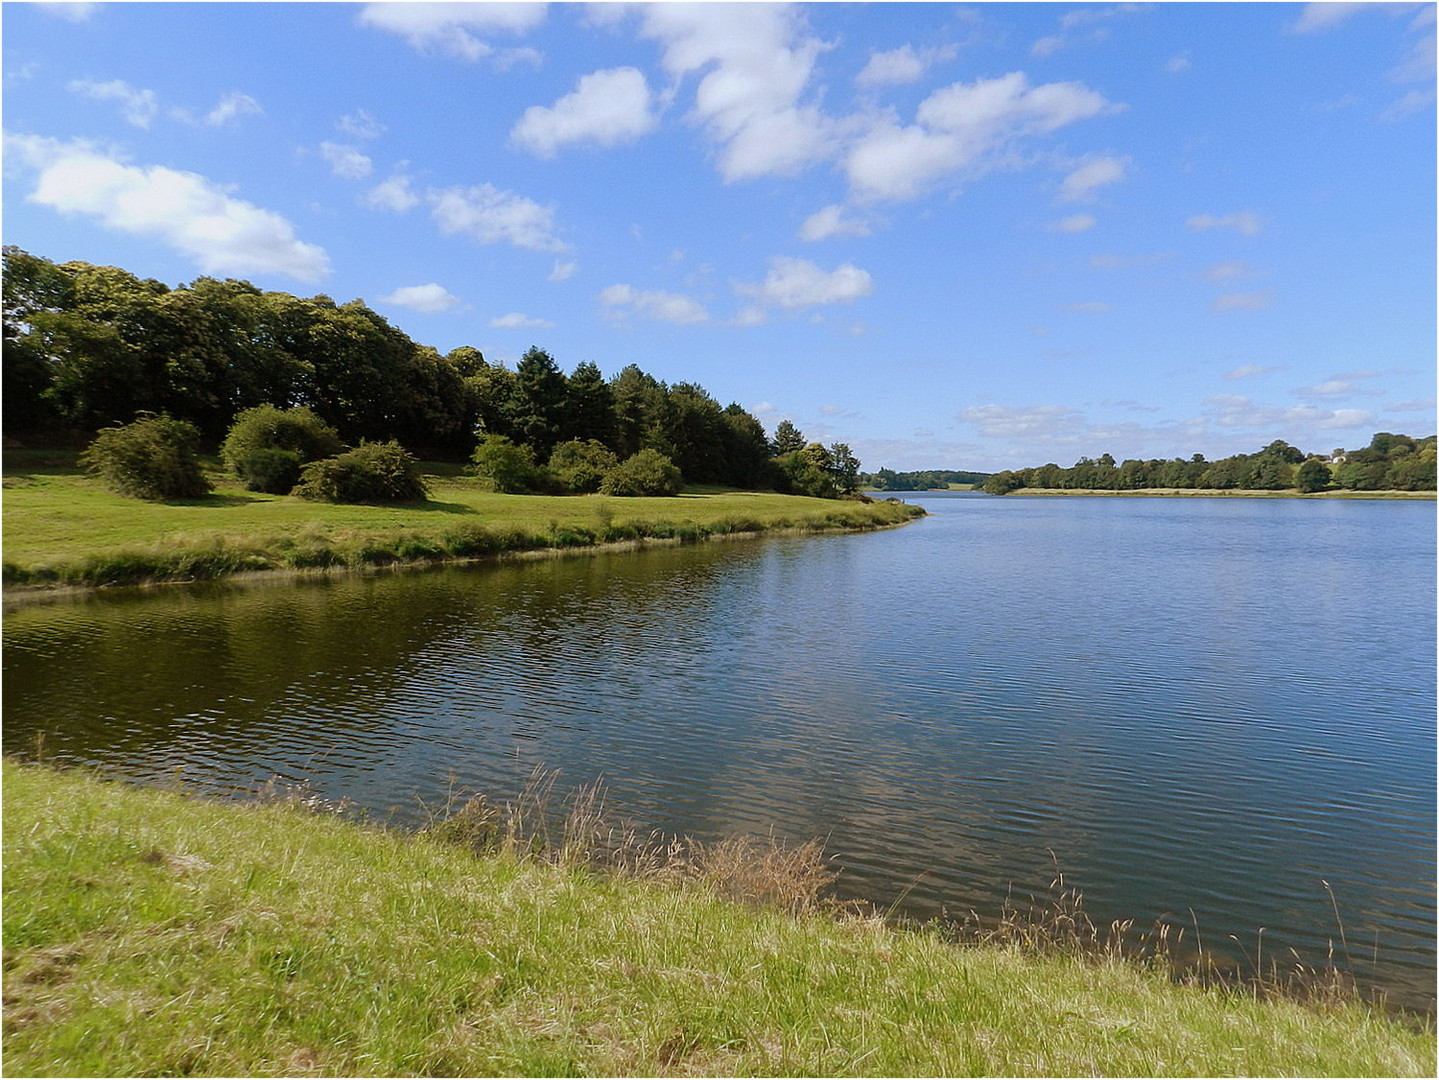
[
  {"x": 1248, "y": 223},
  {"x": 796, "y": 283},
  {"x": 1046, "y": 46},
  {"x": 392, "y": 194},
  {"x": 137, "y": 106},
  {"x": 1092, "y": 174},
  {"x": 1003, "y": 422},
  {"x": 361, "y": 125},
  {"x": 958, "y": 128},
  {"x": 831, "y": 221},
  {"x": 1250, "y": 301},
  {"x": 345, "y": 161},
  {"x": 230, "y": 107},
  {"x": 563, "y": 271},
  {"x": 1232, "y": 410},
  {"x": 903, "y": 65},
  {"x": 1178, "y": 64},
  {"x": 191, "y": 214},
  {"x": 654, "y": 304},
  {"x": 70, "y": 12},
  {"x": 451, "y": 27},
  {"x": 756, "y": 64},
  {"x": 1075, "y": 223},
  {"x": 492, "y": 216},
  {"x": 517, "y": 321},
  {"x": 430, "y": 299},
  {"x": 607, "y": 107}
]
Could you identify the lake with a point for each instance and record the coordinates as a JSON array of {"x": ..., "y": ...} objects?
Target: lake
[{"x": 1214, "y": 710}]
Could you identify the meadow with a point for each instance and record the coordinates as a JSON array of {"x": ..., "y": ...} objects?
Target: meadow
[
  {"x": 148, "y": 932},
  {"x": 62, "y": 527}
]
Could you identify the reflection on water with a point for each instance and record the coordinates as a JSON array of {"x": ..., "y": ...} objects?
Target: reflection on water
[{"x": 1206, "y": 706}]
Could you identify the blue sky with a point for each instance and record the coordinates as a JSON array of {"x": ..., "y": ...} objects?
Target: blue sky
[{"x": 953, "y": 236}]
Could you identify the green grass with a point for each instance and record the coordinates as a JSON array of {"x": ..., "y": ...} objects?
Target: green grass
[
  {"x": 148, "y": 933},
  {"x": 62, "y": 527}
]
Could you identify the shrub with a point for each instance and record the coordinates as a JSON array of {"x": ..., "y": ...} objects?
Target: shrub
[
  {"x": 370, "y": 473},
  {"x": 803, "y": 472},
  {"x": 155, "y": 457},
  {"x": 510, "y": 467},
  {"x": 647, "y": 473},
  {"x": 581, "y": 466},
  {"x": 269, "y": 469},
  {"x": 267, "y": 446}
]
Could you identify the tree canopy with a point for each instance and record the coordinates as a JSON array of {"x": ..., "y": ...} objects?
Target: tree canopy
[
  {"x": 1389, "y": 463},
  {"x": 88, "y": 346}
]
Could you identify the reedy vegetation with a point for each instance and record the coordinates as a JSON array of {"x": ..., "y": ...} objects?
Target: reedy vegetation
[{"x": 148, "y": 933}]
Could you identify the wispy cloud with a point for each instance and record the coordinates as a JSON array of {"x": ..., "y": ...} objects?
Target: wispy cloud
[
  {"x": 1250, "y": 301},
  {"x": 1246, "y": 222},
  {"x": 901, "y": 66},
  {"x": 654, "y": 304},
  {"x": 138, "y": 107},
  {"x": 517, "y": 321},
  {"x": 492, "y": 216},
  {"x": 1248, "y": 371},
  {"x": 1075, "y": 223},
  {"x": 346, "y": 161}
]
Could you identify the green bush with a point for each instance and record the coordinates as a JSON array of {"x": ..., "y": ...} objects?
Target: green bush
[
  {"x": 580, "y": 466},
  {"x": 806, "y": 472},
  {"x": 155, "y": 457},
  {"x": 267, "y": 446},
  {"x": 509, "y": 466},
  {"x": 370, "y": 473},
  {"x": 269, "y": 469},
  {"x": 647, "y": 473}
]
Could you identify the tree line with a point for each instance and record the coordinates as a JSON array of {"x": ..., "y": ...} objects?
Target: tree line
[
  {"x": 1389, "y": 463},
  {"x": 920, "y": 480},
  {"x": 89, "y": 346}
]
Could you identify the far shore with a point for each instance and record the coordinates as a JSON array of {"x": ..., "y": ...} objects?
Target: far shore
[{"x": 1189, "y": 493}]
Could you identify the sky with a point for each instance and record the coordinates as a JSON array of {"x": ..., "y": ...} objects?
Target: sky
[{"x": 960, "y": 236}]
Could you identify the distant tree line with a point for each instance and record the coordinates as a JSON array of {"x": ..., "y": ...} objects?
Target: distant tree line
[
  {"x": 923, "y": 480},
  {"x": 89, "y": 346},
  {"x": 1389, "y": 463}
]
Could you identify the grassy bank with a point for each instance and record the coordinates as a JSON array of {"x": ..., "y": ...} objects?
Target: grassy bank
[
  {"x": 62, "y": 527},
  {"x": 147, "y": 933}
]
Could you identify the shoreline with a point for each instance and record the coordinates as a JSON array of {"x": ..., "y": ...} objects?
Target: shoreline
[
  {"x": 525, "y": 547},
  {"x": 367, "y": 951},
  {"x": 1193, "y": 493}
]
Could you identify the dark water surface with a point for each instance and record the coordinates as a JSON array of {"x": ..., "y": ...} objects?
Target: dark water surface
[{"x": 1202, "y": 707}]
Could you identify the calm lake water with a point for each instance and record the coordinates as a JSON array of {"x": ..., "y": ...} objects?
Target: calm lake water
[{"x": 1205, "y": 708}]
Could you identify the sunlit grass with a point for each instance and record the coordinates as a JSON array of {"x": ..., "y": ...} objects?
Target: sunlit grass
[
  {"x": 62, "y": 527},
  {"x": 152, "y": 934}
]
